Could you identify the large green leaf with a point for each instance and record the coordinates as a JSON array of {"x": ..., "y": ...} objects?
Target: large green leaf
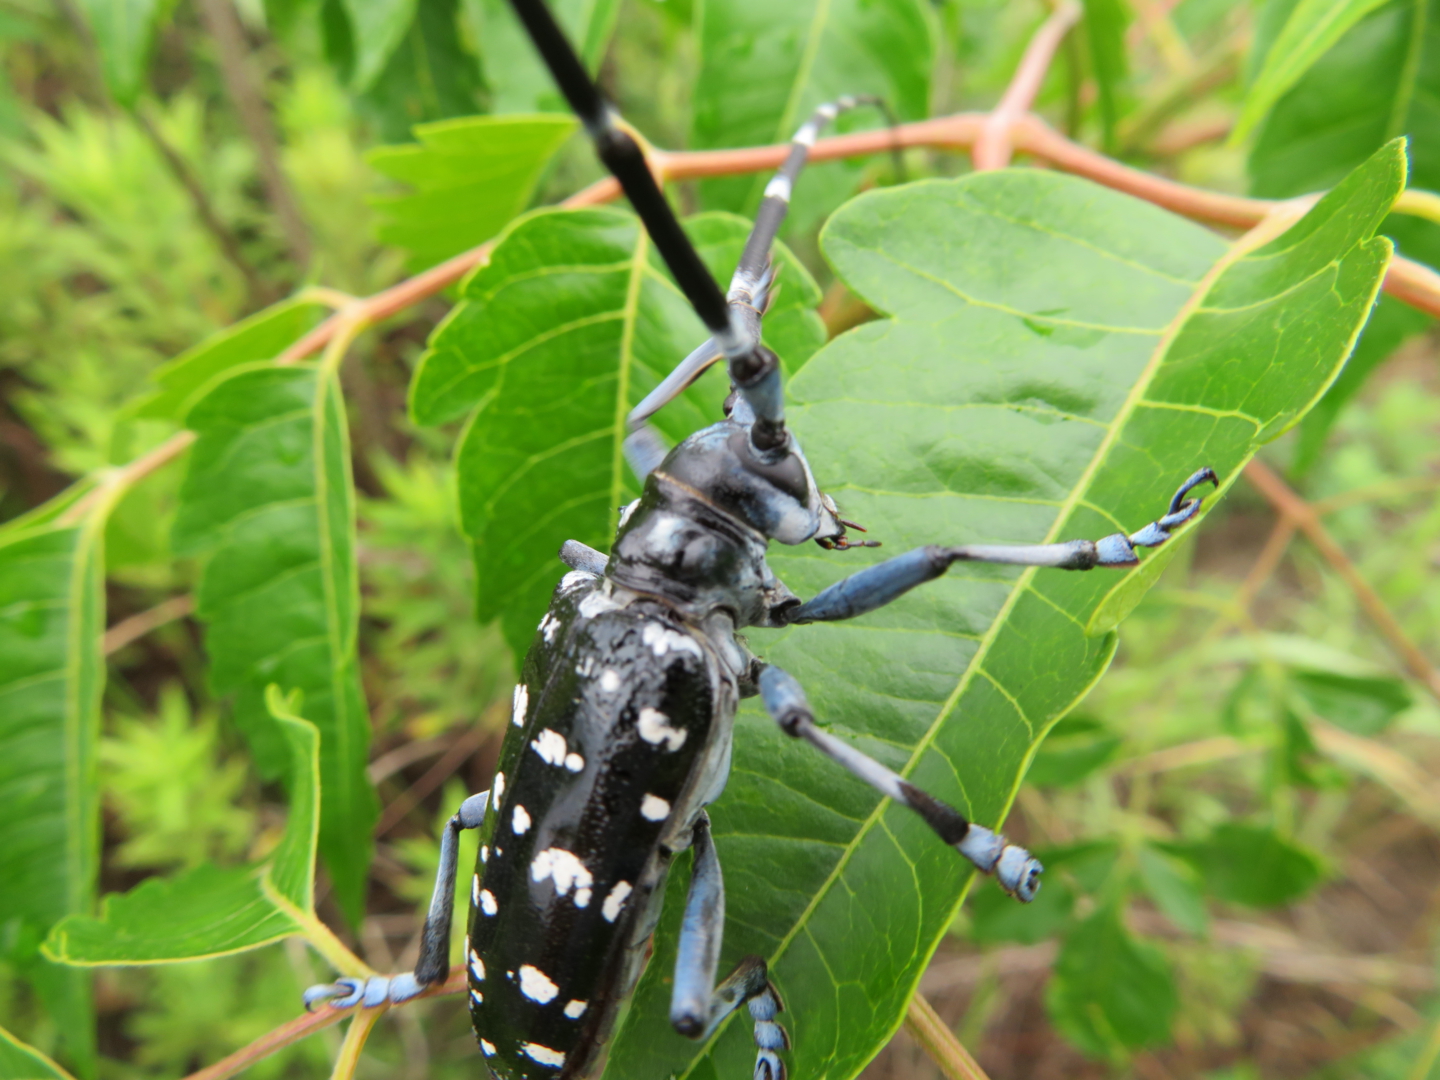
[
  {"x": 263, "y": 336},
  {"x": 765, "y": 66},
  {"x": 1057, "y": 358},
  {"x": 269, "y": 500},
  {"x": 517, "y": 80},
  {"x": 21, "y": 1062},
  {"x": 210, "y": 911},
  {"x": 470, "y": 176},
  {"x": 572, "y": 322},
  {"x": 124, "y": 32},
  {"x": 52, "y": 674},
  {"x": 1314, "y": 26}
]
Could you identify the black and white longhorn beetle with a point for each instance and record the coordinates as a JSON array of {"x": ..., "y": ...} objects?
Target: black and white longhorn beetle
[{"x": 622, "y": 720}]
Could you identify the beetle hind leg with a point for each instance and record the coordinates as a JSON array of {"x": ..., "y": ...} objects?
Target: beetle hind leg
[
  {"x": 697, "y": 1004},
  {"x": 434, "y": 959}
]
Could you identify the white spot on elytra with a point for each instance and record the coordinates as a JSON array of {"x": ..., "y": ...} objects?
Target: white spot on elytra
[
  {"x": 499, "y": 789},
  {"x": 550, "y": 745},
  {"x": 574, "y": 762},
  {"x": 662, "y": 639},
  {"x": 520, "y": 820},
  {"x": 475, "y": 889},
  {"x": 609, "y": 680},
  {"x": 626, "y": 511},
  {"x": 549, "y": 626},
  {"x": 484, "y": 852},
  {"x": 576, "y": 1009},
  {"x": 585, "y": 667},
  {"x": 487, "y": 902},
  {"x": 655, "y": 729},
  {"x": 519, "y": 703},
  {"x": 487, "y": 1047},
  {"x": 536, "y": 985},
  {"x": 477, "y": 966},
  {"x": 575, "y": 578},
  {"x": 566, "y": 871},
  {"x": 597, "y": 603},
  {"x": 543, "y": 1054},
  {"x": 654, "y": 808},
  {"x": 615, "y": 901},
  {"x": 477, "y": 997}
]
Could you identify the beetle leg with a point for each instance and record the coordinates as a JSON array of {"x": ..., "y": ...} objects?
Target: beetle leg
[
  {"x": 434, "y": 960},
  {"x": 1017, "y": 871},
  {"x": 878, "y": 585},
  {"x": 697, "y": 1005},
  {"x": 582, "y": 557}
]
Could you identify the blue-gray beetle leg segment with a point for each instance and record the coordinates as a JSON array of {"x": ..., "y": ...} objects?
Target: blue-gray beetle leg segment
[
  {"x": 878, "y": 585},
  {"x": 1017, "y": 871},
  {"x": 697, "y": 1005},
  {"x": 582, "y": 557},
  {"x": 434, "y": 962}
]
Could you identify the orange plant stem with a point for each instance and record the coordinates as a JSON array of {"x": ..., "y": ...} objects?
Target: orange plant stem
[{"x": 993, "y": 149}]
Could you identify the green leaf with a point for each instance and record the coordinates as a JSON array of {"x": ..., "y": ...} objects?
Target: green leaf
[
  {"x": 268, "y": 499},
  {"x": 572, "y": 322},
  {"x": 124, "y": 32},
  {"x": 470, "y": 177},
  {"x": 430, "y": 75},
  {"x": 1110, "y": 992},
  {"x": 378, "y": 27},
  {"x": 517, "y": 80},
  {"x": 262, "y": 336},
  {"x": 21, "y": 1062},
  {"x": 1366, "y": 706},
  {"x": 1255, "y": 866},
  {"x": 1175, "y": 888},
  {"x": 1313, "y": 28},
  {"x": 210, "y": 911},
  {"x": 791, "y": 57},
  {"x": 1074, "y": 749},
  {"x": 52, "y": 675},
  {"x": 1057, "y": 358},
  {"x": 1105, "y": 24}
]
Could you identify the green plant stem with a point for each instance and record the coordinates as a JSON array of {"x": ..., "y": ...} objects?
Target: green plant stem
[
  {"x": 937, "y": 1040},
  {"x": 355, "y": 1036}
]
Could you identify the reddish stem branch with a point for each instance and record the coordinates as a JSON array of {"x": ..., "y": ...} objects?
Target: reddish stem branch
[
  {"x": 993, "y": 149},
  {"x": 1304, "y": 517},
  {"x": 1410, "y": 282},
  {"x": 938, "y": 1041},
  {"x": 308, "y": 1024}
]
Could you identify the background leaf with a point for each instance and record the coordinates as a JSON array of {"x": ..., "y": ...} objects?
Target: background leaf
[
  {"x": 788, "y": 58},
  {"x": 430, "y": 75},
  {"x": 378, "y": 27},
  {"x": 21, "y": 1062},
  {"x": 1175, "y": 888},
  {"x": 210, "y": 911},
  {"x": 514, "y": 75},
  {"x": 268, "y": 499},
  {"x": 124, "y": 33},
  {"x": 1049, "y": 369},
  {"x": 1105, "y": 24},
  {"x": 573, "y": 300},
  {"x": 1110, "y": 992},
  {"x": 1255, "y": 866},
  {"x": 470, "y": 177},
  {"x": 1313, "y": 27},
  {"x": 52, "y": 675}
]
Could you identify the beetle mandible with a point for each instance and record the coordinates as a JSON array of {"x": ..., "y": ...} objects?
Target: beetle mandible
[{"x": 621, "y": 724}]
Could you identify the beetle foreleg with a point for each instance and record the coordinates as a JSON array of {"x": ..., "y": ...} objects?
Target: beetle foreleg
[
  {"x": 878, "y": 585},
  {"x": 697, "y": 1005},
  {"x": 1017, "y": 871},
  {"x": 582, "y": 557},
  {"x": 434, "y": 960}
]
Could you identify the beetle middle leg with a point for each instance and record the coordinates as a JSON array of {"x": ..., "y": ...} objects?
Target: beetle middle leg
[
  {"x": 697, "y": 1005},
  {"x": 434, "y": 962},
  {"x": 1017, "y": 871}
]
